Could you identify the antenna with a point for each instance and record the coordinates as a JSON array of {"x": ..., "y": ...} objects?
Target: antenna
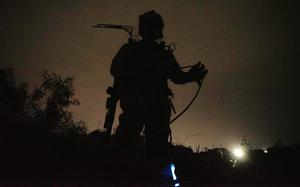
[{"x": 127, "y": 28}]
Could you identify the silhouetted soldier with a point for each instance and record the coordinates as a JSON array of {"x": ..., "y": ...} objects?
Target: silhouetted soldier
[{"x": 141, "y": 70}]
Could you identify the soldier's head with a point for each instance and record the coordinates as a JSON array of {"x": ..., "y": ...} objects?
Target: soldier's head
[{"x": 151, "y": 25}]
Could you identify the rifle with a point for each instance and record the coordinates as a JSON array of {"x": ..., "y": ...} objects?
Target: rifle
[{"x": 111, "y": 104}]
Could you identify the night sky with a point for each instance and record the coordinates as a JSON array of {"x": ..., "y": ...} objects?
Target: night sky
[{"x": 251, "y": 49}]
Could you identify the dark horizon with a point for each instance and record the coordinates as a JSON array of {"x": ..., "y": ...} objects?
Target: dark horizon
[{"x": 249, "y": 47}]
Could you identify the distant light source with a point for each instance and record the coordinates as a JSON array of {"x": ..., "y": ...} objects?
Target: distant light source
[
  {"x": 266, "y": 151},
  {"x": 238, "y": 153},
  {"x": 177, "y": 184}
]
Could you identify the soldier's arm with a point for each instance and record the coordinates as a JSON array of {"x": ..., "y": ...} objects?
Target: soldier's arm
[{"x": 176, "y": 74}]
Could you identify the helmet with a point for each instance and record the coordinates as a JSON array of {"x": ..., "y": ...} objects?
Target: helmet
[{"x": 151, "y": 25}]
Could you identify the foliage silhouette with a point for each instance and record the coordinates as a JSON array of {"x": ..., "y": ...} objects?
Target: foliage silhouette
[
  {"x": 49, "y": 102},
  {"x": 46, "y": 106}
]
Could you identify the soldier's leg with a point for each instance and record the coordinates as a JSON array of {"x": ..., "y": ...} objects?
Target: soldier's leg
[
  {"x": 158, "y": 128},
  {"x": 157, "y": 135},
  {"x": 131, "y": 120}
]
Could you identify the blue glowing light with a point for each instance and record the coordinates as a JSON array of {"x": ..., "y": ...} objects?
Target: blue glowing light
[
  {"x": 173, "y": 172},
  {"x": 175, "y": 180}
]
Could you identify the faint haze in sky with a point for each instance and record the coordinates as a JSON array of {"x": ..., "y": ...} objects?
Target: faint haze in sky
[{"x": 249, "y": 47}]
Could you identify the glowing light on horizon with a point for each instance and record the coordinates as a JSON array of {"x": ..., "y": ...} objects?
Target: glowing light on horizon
[{"x": 238, "y": 153}]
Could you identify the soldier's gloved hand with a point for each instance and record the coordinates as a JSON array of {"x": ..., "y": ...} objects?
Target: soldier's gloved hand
[{"x": 198, "y": 72}]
